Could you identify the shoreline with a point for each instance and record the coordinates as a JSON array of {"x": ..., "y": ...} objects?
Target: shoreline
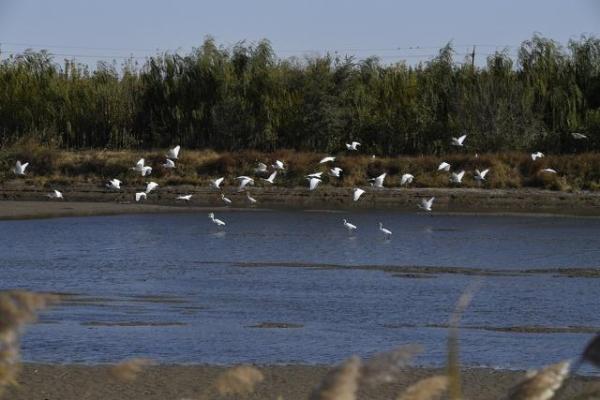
[
  {"x": 291, "y": 382},
  {"x": 87, "y": 200}
]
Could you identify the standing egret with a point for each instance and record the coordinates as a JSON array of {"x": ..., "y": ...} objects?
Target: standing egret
[
  {"x": 352, "y": 146},
  {"x": 215, "y": 221},
  {"x": 356, "y": 193},
  {"x": 313, "y": 183},
  {"x": 327, "y": 159},
  {"x": 150, "y": 186},
  {"x": 349, "y": 226},
  {"x": 426, "y": 204},
  {"x": 114, "y": 184},
  {"x": 458, "y": 141},
  {"x": 244, "y": 181},
  {"x": 174, "y": 152},
  {"x": 251, "y": 199},
  {"x": 457, "y": 177},
  {"x": 444, "y": 166},
  {"x": 480, "y": 175},
  {"x": 140, "y": 195},
  {"x": 226, "y": 200},
  {"x": 378, "y": 182},
  {"x": 186, "y": 197},
  {"x": 55, "y": 195},
  {"x": 169, "y": 164},
  {"x": 19, "y": 168},
  {"x": 335, "y": 172},
  {"x": 271, "y": 178},
  {"x": 386, "y": 232},
  {"x": 216, "y": 183},
  {"x": 406, "y": 179},
  {"x": 535, "y": 156}
]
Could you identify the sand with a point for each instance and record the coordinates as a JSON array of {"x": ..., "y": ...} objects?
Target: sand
[{"x": 164, "y": 382}]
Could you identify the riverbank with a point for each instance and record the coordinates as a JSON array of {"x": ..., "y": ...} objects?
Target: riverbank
[
  {"x": 293, "y": 382},
  {"x": 24, "y": 201}
]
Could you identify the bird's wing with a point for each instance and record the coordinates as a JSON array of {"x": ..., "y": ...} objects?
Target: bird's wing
[
  {"x": 484, "y": 172},
  {"x": 462, "y": 139},
  {"x": 140, "y": 163}
]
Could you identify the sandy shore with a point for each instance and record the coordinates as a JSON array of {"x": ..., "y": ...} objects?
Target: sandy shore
[
  {"x": 21, "y": 201},
  {"x": 70, "y": 382}
]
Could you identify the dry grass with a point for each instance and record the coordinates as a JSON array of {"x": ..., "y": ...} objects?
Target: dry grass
[
  {"x": 239, "y": 380},
  {"x": 128, "y": 371},
  {"x": 426, "y": 389}
]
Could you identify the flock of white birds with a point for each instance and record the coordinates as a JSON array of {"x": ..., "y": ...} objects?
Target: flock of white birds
[{"x": 314, "y": 179}]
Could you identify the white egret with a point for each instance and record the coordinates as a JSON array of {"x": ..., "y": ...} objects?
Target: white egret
[
  {"x": 150, "y": 186},
  {"x": 386, "y": 232},
  {"x": 480, "y": 175},
  {"x": 114, "y": 184},
  {"x": 271, "y": 178},
  {"x": 140, "y": 195},
  {"x": 315, "y": 175},
  {"x": 457, "y": 177},
  {"x": 216, "y": 221},
  {"x": 313, "y": 183},
  {"x": 335, "y": 172},
  {"x": 549, "y": 170},
  {"x": 578, "y": 136},
  {"x": 19, "y": 168},
  {"x": 279, "y": 165},
  {"x": 444, "y": 166},
  {"x": 169, "y": 164},
  {"x": 426, "y": 204},
  {"x": 174, "y": 152},
  {"x": 458, "y": 141},
  {"x": 349, "y": 226},
  {"x": 260, "y": 168},
  {"x": 251, "y": 199},
  {"x": 244, "y": 181},
  {"x": 378, "y": 182},
  {"x": 356, "y": 193},
  {"x": 186, "y": 197},
  {"x": 226, "y": 200},
  {"x": 216, "y": 183},
  {"x": 406, "y": 179},
  {"x": 142, "y": 168},
  {"x": 55, "y": 195},
  {"x": 535, "y": 156},
  {"x": 327, "y": 159},
  {"x": 352, "y": 146}
]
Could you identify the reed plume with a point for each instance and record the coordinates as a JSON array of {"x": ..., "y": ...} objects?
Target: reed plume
[
  {"x": 128, "y": 370},
  {"x": 239, "y": 380},
  {"x": 385, "y": 367},
  {"x": 542, "y": 384},
  {"x": 341, "y": 383},
  {"x": 426, "y": 389}
]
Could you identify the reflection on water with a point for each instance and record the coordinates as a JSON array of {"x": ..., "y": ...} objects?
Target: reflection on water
[{"x": 176, "y": 289}]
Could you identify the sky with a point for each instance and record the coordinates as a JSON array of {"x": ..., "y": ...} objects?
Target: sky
[{"x": 391, "y": 30}]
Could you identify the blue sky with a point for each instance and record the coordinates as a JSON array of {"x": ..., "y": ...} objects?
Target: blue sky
[{"x": 109, "y": 29}]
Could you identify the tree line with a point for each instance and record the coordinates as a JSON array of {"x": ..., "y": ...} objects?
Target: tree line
[{"x": 245, "y": 97}]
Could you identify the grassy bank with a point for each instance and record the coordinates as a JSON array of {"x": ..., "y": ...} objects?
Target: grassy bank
[{"x": 50, "y": 166}]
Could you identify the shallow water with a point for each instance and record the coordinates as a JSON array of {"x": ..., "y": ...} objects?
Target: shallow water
[{"x": 176, "y": 289}]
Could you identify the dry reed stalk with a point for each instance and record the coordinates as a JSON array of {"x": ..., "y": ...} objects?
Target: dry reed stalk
[
  {"x": 340, "y": 383},
  {"x": 426, "y": 389},
  {"x": 542, "y": 384},
  {"x": 238, "y": 380},
  {"x": 385, "y": 367},
  {"x": 128, "y": 370}
]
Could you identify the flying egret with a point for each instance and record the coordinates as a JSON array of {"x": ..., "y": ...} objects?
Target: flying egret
[
  {"x": 260, "y": 168},
  {"x": 335, "y": 172},
  {"x": 444, "y": 166},
  {"x": 356, "y": 193},
  {"x": 19, "y": 168},
  {"x": 386, "y": 232},
  {"x": 378, "y": 182},
  {"x": 578, "y": 136},
  {"x": 549, "y": 170},
  {"x": 244, "y": 181},
  {"x": 150, "y": 186},
  {"x": 215, "y": 221},
  {"x": 426, "y": 204},
  {"x": 457, "y": 177},
  {"x": 142, "y": 168},
  {"x": 140, "y": 195},
  {"x": 271, "y": 178},
  {"x": 114, "y": 184},
  {"x": 251, "y": 199},
  {"x": 406, "y": 179},
  {"x": 186, "y": 197},
  {"x": 226, "y": 200},
  {"x": 458, "y": 141},
  {"x": 315, "y": 175},
  {"x": 480, "y": 175},
  {"x": 216, "y": 183},
  {"x": 327, "y": 159},
  {"x": 349, "y": 226},
  {"x": 352, "y": 146},
  {"x": 55, "y": 195},
  {"x": 313, "y": 183},
  {"x": 279, "y": 165},
  {"x": 535, "y": 156},
  {"x": 169, "y": 164},
  {"x": 174, "y": 152}
]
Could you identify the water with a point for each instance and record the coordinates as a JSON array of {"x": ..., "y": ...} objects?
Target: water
[{"x": 177, "y": 289}]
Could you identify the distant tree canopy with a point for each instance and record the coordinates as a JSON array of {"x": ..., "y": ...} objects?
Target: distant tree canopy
[{"x": 245, "y": 97}]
